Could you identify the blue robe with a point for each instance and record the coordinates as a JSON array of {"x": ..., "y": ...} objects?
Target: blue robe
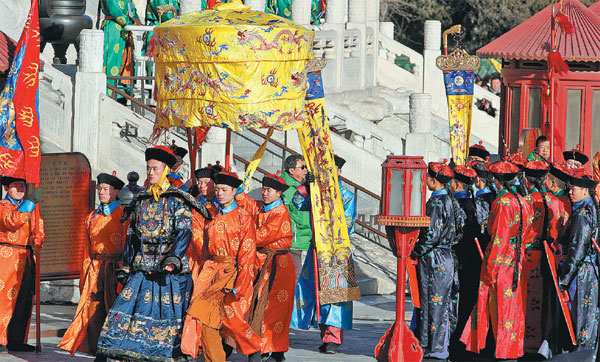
[
  {"x": 146, "y": 320},
  {"x": 339, "y": 314}
]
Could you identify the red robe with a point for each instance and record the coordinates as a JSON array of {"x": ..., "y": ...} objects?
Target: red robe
[
  {"x": 18, "y": 230},
  {"x": 274, "y": 232},
  {"x": 98, "y": 281},
  {"x": 231, "y": 235},
  {"x": 496, "y": 299},
  {"x": 532, "y": 281}
]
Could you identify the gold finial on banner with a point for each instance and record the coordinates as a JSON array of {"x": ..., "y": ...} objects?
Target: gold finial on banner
[{"x": 459, "y": 59}]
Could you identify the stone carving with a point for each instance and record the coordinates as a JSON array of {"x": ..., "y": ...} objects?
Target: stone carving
[
  {"x": 432, "y": 35},
  {"x": 257, "y": 5},
  {"x": 357, "y": 11},
  {"x": 301, "y": 11},
  {"x": 458, "y": 60},
  {"x": 420, "y": 113},
  {"x": 90, "y": 47},
  {"x": 188, "y": 6},
  {"x": 372, "y": 11},
  {"x": 336, "y": 11}
]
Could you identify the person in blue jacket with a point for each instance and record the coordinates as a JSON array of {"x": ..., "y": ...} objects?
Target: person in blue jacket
[{"x": 337, "y": 317}]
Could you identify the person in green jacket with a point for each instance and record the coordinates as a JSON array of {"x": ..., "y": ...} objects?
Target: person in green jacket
[
  {"x": 157, "y": 12},
  {"x": 117, "y": 14},
  {"x": 294, "y": 173},
  {"x": 283, "y": 8},
  {"x": 541, "y": 152}
]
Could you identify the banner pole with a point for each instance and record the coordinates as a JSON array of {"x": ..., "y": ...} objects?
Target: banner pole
[
  {"x": 38, "y": 328},
  {"x": 36, "y": 259}
]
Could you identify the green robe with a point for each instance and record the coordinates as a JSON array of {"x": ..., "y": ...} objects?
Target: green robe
[
  {"x": 152, "y": 11},
  {"x": 124, "y": 13},
  {"x": 283, "y": 8},
  {"x": 153, "y": 20}
]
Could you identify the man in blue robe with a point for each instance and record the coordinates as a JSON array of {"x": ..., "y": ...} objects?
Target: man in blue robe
[{"x": 146, "y": 320}]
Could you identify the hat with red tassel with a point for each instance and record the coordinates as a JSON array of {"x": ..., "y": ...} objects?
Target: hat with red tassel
[
  {"x": 577, "y": 155},
  {"x": 479, "y": 150},
  {"x": 275, "y": 182},
  {"x": 518, "y": 159},
  {"x": 481, "y": 168},
  {"x": 504, "y": 171},
  {"x": 582, "y": 178},
  {"x": 536, "y": 169},
  {"x": 465, "y": 174},
  {"x": 560, "y": 172},
  {"x": 440, "y": 171}
]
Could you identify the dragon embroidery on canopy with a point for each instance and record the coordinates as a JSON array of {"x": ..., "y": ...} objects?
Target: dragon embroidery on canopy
[
  {"x": 174, "y": 83},
  {"x": 284, "y": 36}
]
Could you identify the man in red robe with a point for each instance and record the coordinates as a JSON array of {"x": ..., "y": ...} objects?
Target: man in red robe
[
  {"x": 230, "y": 265},
  {"x": 273, "y": 299},
  {"x": 548, "y": 221},
  {"x": 21, "y": 233},
  {"x": 500, "y": 298},
  {"x": 98, "y": 279}
]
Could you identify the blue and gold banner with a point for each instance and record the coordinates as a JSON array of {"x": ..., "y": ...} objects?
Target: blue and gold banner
[
  {"x": 459, "y": 78},
  {"x": 459, "y": 90},
  {"x": 337, "y": 281}
]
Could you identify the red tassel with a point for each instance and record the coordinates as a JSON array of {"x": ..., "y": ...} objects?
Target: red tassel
[
  {"x": 157, "y": 132},
  {"x": 565, "y": 24},
  {"x": 151, "y": 46},
  {"x": 556, "y": 63}
]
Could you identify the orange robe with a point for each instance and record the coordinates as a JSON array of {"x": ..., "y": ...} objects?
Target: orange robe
[
  {"x": 98, "y": 281},
  {"x": 231, "y": 239},
  {"x": 274, "y": 232},
  {"x": 19, "y": 232},
  {"x": 197, "y": 254}
]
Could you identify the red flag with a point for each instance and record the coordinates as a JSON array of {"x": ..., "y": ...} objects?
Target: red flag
[{"x": 20, "y": 152}]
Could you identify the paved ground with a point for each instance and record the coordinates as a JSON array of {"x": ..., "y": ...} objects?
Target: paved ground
[{"x": 372, "y": 316}]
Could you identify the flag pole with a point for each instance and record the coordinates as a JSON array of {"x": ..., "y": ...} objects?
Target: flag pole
[
  {"x": 38, "y": 322},
  {"x": 38, "y": 328}
]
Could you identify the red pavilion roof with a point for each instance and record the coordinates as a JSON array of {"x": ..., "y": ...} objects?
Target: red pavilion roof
[
  {"x": 595, "y": 7},
  {"x": 531, "y": 38},
  {"x": 7, "y": 51}
]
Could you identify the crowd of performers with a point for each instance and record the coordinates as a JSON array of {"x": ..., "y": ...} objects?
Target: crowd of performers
[
  {"x": 183, "y": 271},
  {"x": 485, "y": 283}
]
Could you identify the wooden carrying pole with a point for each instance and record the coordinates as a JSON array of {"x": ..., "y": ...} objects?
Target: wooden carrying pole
[{"x": 36, "y": 258}]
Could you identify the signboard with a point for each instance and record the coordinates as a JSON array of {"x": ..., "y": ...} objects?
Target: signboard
[{"x": 68, "y": 197}]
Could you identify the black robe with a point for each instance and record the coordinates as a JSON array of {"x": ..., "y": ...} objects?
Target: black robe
[
  {"x": 437, "y": 273},
  {"x": 469, "y": 266},
  {"x": 579, "y": 273}
]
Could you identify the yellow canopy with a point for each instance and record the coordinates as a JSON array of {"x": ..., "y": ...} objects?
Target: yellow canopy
[{"x": 231, "y": 67}]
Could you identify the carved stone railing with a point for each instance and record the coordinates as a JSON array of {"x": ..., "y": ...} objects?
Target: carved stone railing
[
  {"x": 142, "y": 92},
  {"x": 389, "y": 51}
]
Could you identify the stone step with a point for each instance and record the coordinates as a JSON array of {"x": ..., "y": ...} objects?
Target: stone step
[
  {"x": 368, "y": 286},
  {"x": 375, "y": 266}
]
